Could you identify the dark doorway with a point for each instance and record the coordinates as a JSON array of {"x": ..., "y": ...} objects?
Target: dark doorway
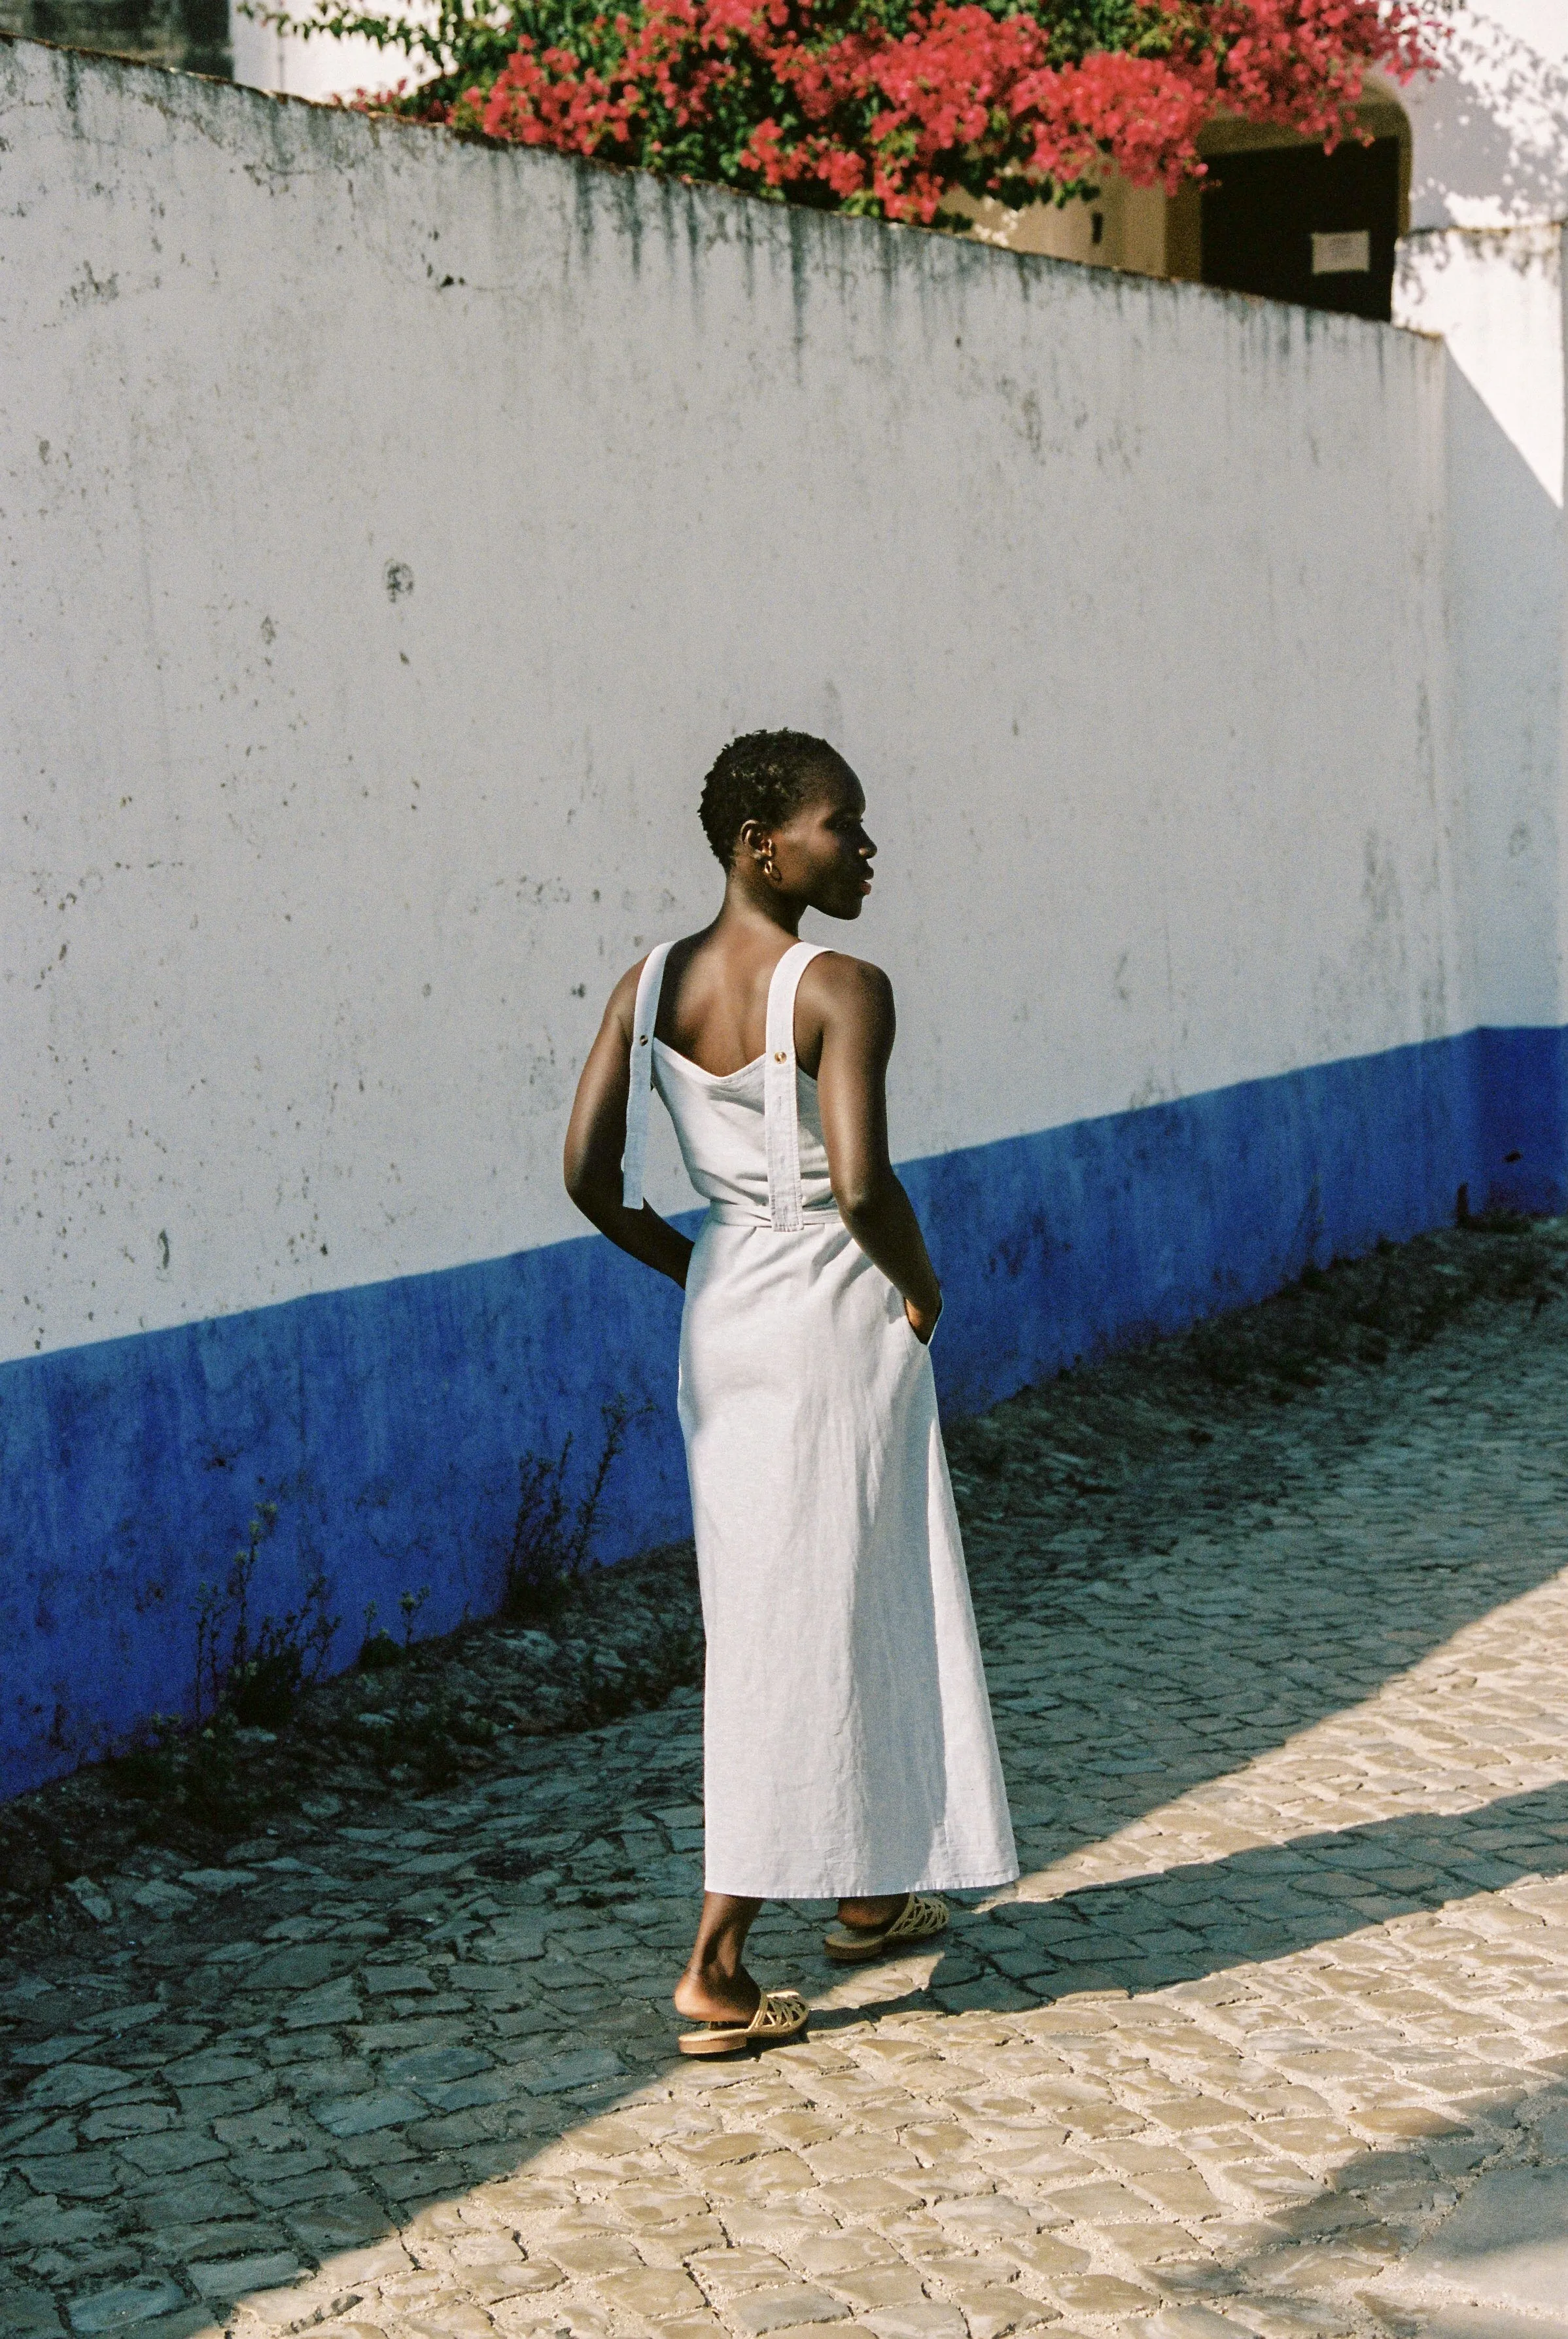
[{"x": 1297, "y": 224}]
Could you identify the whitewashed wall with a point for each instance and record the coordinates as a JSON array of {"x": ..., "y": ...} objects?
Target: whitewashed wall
[
  {"x": 1483, "y": 267},
  {"x": 397, "y": 529},
  {"x": 1490, "y": 130},
  {"x": 1495, "y": 295}
]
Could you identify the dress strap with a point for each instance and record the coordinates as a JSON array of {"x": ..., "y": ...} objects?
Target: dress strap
[
  {"x": 780, "y": 1101},
  {"x": 645, "y": 1015}
]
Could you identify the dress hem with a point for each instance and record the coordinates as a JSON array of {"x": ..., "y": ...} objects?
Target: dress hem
[{"x": 817, "y": 1890}]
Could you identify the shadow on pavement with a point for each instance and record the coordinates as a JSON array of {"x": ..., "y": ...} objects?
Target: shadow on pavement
[
  {"x": 1148, "y": 1932},
  {"x": 1140, "y": 1690},
  {"x": 234, "y": 2189}
]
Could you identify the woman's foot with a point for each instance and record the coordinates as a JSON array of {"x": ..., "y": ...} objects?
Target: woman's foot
[
  {"x": 907, "y": 1920},
  {"x": 707, "y": 1993},
  {"x": 716, "y": 1987},
  {"x": 782, "y": 2016}
]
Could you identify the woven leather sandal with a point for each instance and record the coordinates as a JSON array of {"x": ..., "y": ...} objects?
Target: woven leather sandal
[
  {"x": 781, "y": 2016},
  {"x": 922, "y": 1916}
]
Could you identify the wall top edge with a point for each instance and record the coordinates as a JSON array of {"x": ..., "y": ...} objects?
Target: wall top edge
[{"x": 748, "y": 219}]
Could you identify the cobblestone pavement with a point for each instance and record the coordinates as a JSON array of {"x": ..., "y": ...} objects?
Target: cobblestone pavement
[{"x": 1272, "y": 2038}]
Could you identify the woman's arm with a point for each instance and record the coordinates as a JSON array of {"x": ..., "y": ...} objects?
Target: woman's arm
[
  {"x": 595, "y": 1139},
  {"x": 858, "y": 1028}
]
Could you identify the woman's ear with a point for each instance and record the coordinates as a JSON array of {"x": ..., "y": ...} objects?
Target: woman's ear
[{"x": 757, "y": 845}]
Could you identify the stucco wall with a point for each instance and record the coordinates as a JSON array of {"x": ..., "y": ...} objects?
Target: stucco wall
[
  {"x": 265, "y": 58},
  {"x": 1495, "y": 295},
  {"x": 395, "y": 529},
  {"x": 1491, "y": 128},
  {"x": 1483, "y": 267}
]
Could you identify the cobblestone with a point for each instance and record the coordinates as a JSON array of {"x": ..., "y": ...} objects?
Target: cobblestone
[{"x": 1270, "y": 2040}]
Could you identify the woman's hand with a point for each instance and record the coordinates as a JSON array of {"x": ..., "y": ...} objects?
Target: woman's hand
[{"x": 922, "y": 1320}]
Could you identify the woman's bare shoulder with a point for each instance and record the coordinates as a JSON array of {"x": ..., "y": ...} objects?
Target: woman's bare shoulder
[
  {"x": 846, "y": 972},
  {"x": 838, "y": 982},
  {"x": 621, "y": 1005}
]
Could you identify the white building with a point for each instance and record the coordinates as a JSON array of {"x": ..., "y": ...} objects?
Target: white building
[
  {"x": 266, "y": 59},
  {"x": 1481, "y": 262}
]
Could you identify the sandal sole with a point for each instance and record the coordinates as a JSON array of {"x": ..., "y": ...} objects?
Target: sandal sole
[{"x": 716, "y": 2043}]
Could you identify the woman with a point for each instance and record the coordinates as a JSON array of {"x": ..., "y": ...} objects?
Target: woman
[{"x": 849, "y": 1752}]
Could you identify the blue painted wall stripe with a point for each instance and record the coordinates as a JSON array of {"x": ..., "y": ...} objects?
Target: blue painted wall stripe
[{"x": 388, "y": 1421}]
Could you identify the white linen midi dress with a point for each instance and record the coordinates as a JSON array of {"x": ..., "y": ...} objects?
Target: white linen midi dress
[{"x": 848, "y": 1746}]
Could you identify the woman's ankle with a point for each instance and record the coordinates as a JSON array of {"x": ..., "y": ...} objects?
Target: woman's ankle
[
  {"x": 707, "y": 1994},
  {"x": 871, "y": 1910}
]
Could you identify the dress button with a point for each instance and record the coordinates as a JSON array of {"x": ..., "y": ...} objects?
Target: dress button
[
  {"x": 642, "y": 1039},
  {"x": 779, "y": 1056}
]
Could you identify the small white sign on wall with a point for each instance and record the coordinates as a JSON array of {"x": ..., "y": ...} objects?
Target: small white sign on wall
[{"x": 1345, "y": 253}]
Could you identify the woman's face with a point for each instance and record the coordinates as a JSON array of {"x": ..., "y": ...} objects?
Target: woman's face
[{"x": 822, "y": 853}]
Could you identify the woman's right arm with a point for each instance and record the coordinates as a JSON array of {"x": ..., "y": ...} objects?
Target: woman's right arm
[{"x": 595, "y": 1139}]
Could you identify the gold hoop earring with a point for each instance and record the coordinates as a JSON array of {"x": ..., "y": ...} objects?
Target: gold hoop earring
[{"x": 769, "y": 870}]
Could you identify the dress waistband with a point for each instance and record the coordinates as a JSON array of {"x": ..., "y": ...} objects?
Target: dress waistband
[{"x": 739, "y": 1214}]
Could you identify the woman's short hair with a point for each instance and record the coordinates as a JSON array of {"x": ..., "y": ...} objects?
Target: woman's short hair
[{"x": 764, "y": 775}]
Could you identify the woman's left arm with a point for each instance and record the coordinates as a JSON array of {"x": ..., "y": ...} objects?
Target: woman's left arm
[
  {"x": 595, "y": 1139},
  {"x": 857, "y": 1013}
]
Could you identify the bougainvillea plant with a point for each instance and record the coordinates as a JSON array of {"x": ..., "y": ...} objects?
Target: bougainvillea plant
[{"x": 886, "y": 106}]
